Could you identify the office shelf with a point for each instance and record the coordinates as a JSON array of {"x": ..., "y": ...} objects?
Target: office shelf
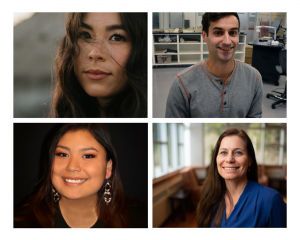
[{"x": 191, "y": 52}]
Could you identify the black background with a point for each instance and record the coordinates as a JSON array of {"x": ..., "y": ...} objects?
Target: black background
[{"x": 129, "y": 139}]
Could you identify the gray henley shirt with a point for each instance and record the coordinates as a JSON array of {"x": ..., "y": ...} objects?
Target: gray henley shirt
[{"x": 196, "y": 93}]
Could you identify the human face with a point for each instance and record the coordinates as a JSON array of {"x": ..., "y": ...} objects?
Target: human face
[
  {"x": 104, "y": 50},
  {"x": 232, "y": 159},
  {"x": 79, "y": 157},
  {"x": 223, "y": 39}
]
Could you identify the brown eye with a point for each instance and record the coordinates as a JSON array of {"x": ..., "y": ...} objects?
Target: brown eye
[
  {"x": 117, "y": 38},
  {"x": 61, "y": 154},
  {"x": 88, "y": 156},
  {"x": 85, "y": 35}
]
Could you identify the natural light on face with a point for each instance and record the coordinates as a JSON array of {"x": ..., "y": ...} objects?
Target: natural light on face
[
  {"x": 80, "y": 165},
  {"x": 232, "y": 159},
  {"x": 104, "y": 47}
]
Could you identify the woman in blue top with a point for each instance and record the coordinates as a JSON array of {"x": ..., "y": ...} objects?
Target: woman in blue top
[{"x": 231, "y": 195}]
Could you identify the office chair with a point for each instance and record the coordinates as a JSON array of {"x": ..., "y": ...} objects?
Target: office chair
[{"x": 281, "y": 97}]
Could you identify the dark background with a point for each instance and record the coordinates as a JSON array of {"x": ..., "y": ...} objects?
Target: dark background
[{"x": 129, "y": 139}]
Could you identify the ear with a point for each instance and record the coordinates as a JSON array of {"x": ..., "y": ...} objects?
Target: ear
[
  {"x": 108, "y": 169},
  {"x": 204, "y": 35}
]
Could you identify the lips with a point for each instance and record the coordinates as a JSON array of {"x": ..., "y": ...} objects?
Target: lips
[
  {"x": 74, "y": 181},
  {"x": 226, "y": 49},
  {"x": 96, "y": 74},
  {"x": 230, "y": 169}
]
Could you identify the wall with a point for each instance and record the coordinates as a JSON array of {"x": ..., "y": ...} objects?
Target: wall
[{"x": 196, "y": 133}]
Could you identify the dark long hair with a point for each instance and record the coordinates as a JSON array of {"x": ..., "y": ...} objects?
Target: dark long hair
[
  {"x": 41, "y": 210},
  {"x": 69, "y": 98},
  {"x": 211, "y": 205}
]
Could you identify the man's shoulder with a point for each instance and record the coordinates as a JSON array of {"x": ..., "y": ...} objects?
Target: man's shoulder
[
  {"x": 246, "y": 67},
  {"x": 190, "y": 70},
  {"x": 247, "y": 71}
]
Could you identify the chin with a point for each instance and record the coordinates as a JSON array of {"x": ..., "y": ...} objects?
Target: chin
[
  {"x": 226, "y": 59},
  {"x": 72, "y": 196}
]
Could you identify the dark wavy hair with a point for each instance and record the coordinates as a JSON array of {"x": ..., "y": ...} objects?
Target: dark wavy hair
[
  {"x": 211, "y": 205},
  {"x": 69, "y": 98},
  {"x": 207, "y": 18},
  {"x": 40, "y": 210}
]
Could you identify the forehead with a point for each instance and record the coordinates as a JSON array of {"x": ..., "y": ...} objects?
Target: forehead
[
  {"x": 227, "y": 22},
  {"x": 78, "y": 137},
  {"x": 102, "y": 19},
  {"x": 233, "y": 142}
]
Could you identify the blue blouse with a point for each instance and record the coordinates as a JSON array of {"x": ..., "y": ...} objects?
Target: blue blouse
[{"x": 258, "y": 206}]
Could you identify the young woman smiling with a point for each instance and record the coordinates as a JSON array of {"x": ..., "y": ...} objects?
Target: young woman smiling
[
  {"x": 80, "y": 186},
  {"x": 231, "y": 196},
  {"x": 101, "y": 66}
]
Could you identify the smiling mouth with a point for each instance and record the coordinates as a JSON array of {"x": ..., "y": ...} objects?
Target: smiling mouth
[
  {"x": 74, "y": 181},
  {"x": 225, "y": 49},
  {"x": 232, "y": 168}
]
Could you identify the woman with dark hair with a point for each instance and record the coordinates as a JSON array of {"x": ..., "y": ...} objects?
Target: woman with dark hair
[
  {"x": 101, "y": 66},
  {"x": 80, "y": 186},
  {"x": 231, "y": 196}
]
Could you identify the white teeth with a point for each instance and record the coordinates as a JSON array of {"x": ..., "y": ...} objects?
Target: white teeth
[
  {"x": 74, "y": 181},
  {"x": 230, "y": 168}
]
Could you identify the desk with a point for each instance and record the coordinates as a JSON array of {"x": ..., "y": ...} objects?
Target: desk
[{"x": 264, "y": 59}]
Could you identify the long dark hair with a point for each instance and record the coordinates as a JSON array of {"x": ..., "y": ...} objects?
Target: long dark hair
[
  {"x": 41, "y": 210},
  {"x": 69, "y": 98},
  {"x": 211, "y": 205}
]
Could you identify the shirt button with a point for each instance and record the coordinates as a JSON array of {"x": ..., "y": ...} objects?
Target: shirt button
[
  {"x": 225, "y": 92},
  {"x": 224, "y": 103},
  {"x": 221, "y": 83}
]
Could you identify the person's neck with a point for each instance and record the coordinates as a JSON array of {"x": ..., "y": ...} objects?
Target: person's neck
[
  {"x": 219, "y": 69},
  {"x": 236, "y": 188},
  {"x": 79, "y": 213}
]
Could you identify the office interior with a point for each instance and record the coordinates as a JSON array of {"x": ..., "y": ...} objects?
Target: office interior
[
  {"x": 181, "y": 55},
  {"x": 182, "y": 153}
]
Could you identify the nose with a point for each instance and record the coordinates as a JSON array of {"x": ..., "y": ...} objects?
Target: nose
[
  {"x": 97, "y": 52},
  {"x": 226, "y": 39},
  {"x": 229, "y": 158},
  {"x": 73, "y": 165}
]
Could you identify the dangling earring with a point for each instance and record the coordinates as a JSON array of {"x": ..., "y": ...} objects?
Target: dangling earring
[
  {"x": 248, "y": 169},
  {"x": 56, "y": 196},
  {"x": 107, "y": 194}
]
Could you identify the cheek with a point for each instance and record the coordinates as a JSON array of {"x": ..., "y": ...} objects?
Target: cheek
[
  {"x": 78, "y": 58},
  {"x": 219, "y": 162},
  {"x": 236, "y": 41},
  {"x": 57, "y": 167},
  {"x": 96, "y": 171},
  {"x": 121, "y": 55}
]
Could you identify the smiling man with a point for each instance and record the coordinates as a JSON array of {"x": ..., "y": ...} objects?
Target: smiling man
[{"x": 219, "y": 87}]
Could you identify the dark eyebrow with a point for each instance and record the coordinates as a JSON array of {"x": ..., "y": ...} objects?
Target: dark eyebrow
[
  {"x": 86, "y": 149},
  {"x": 82, "y": 149},
  {"x": 115, "y": 26},
  {"x": 85, "y": 25},
  {"x": 108, "y": 28},
  {"x": 233, "y": 149},
  {"x": 218, "y": 28},
  {"x": 63, "y": 147}
]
